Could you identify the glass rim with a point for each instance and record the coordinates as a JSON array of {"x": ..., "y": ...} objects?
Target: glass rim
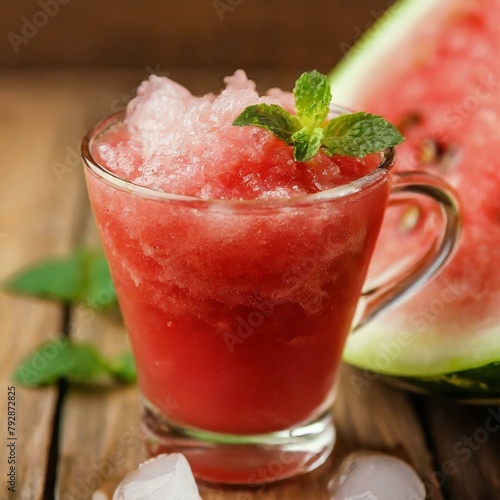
[{"x": 358, "y": 186}]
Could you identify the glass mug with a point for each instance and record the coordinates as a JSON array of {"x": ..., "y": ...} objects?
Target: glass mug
[{"x": 238, "y": 311}]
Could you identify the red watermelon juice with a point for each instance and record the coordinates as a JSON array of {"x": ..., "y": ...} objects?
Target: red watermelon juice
[{"x": 238, "y": 272}]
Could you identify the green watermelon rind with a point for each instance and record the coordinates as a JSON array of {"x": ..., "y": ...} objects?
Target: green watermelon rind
[
  {"x": 381, "y": 348},
  {"x": 381, "y": 39},
  {"x": 468, "y": 369},
  {"x": 477, "y": 384}
]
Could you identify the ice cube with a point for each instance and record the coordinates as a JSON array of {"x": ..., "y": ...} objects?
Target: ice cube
[
  {"x": 165, "y": 476},
  {"x": 376, "y": 476}
]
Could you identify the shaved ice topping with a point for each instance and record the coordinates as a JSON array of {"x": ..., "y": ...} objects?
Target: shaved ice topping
[{"x": 175, "y": 142}]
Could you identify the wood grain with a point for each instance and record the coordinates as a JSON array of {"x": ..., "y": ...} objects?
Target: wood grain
[
  {"x": 43, "y": 116},
  {"x": 467, "y": 442},
  {"x": 100, "y": 434},
  {"x": 38, "y": 217}
]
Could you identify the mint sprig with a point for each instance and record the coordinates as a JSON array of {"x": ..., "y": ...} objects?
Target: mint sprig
[
  {"x": 355, "y": 134},
  {"x": 75, "y": 362}
]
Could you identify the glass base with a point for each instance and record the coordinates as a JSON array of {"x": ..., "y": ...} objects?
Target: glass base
[{"x": 242, "y": 459}]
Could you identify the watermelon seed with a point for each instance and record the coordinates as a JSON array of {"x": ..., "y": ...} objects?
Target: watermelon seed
[
  {"x": 408, "y": 121},
  {"x": 439, "y": 154},
  {"x": 410, "y": 219},
  {"x": 431, "y": 151},
  {"x": 451, "y": 159}
]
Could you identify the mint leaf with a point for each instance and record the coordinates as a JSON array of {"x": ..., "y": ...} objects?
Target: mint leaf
[
  {"x": 82, "y": 276},
  {"x": 123, "y": 368},
  {"x": 356, "y": 134},
  {"x": 306, "y": 143},
  {"x": 312, "y": 98},
  {"x": 53, "y": 278},
  {"x": 80, "y": 363},
  {"x": 271, "y": 117},
  {"x": 359, "y": 134}
]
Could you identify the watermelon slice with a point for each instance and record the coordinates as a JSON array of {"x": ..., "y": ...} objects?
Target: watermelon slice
[{"x": 433, "y": 67}]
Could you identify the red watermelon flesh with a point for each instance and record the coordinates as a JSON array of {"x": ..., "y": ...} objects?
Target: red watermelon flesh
[{"x": 441, "y": 83}]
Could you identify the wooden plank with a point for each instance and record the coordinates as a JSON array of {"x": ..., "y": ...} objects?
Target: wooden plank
[
  {"x": 100, "y": 436},
  {"x": 206, "y": 34},
  {"x": 374, "y": 416},
  {"x": 467, "y": 443},
  {"x": 42, "y": 193},
  {"x": 38, "y": 217},
  {"x": 67, "y": 104}
]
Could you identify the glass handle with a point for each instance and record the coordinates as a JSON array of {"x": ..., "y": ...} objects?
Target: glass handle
[{"x": 383, "y": 292}]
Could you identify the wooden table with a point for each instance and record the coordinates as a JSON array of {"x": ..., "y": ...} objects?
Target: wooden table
[{"x": 73, "y": 441}]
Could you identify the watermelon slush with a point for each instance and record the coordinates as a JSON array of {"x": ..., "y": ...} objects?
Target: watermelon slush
[{"x": 238, "y": 269}]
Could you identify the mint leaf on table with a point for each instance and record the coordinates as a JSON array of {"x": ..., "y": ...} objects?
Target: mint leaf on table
[
  {"x": 80, "y": 277},
  {"x": 122, "y": 368},
  {"x": 354, "y": 134},
  {"x": 75, "y": 362},
  {"x": 359, "y": 134}
]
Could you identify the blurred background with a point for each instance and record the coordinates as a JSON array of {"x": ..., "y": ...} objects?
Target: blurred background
[{"x": 164, "y": 36}]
